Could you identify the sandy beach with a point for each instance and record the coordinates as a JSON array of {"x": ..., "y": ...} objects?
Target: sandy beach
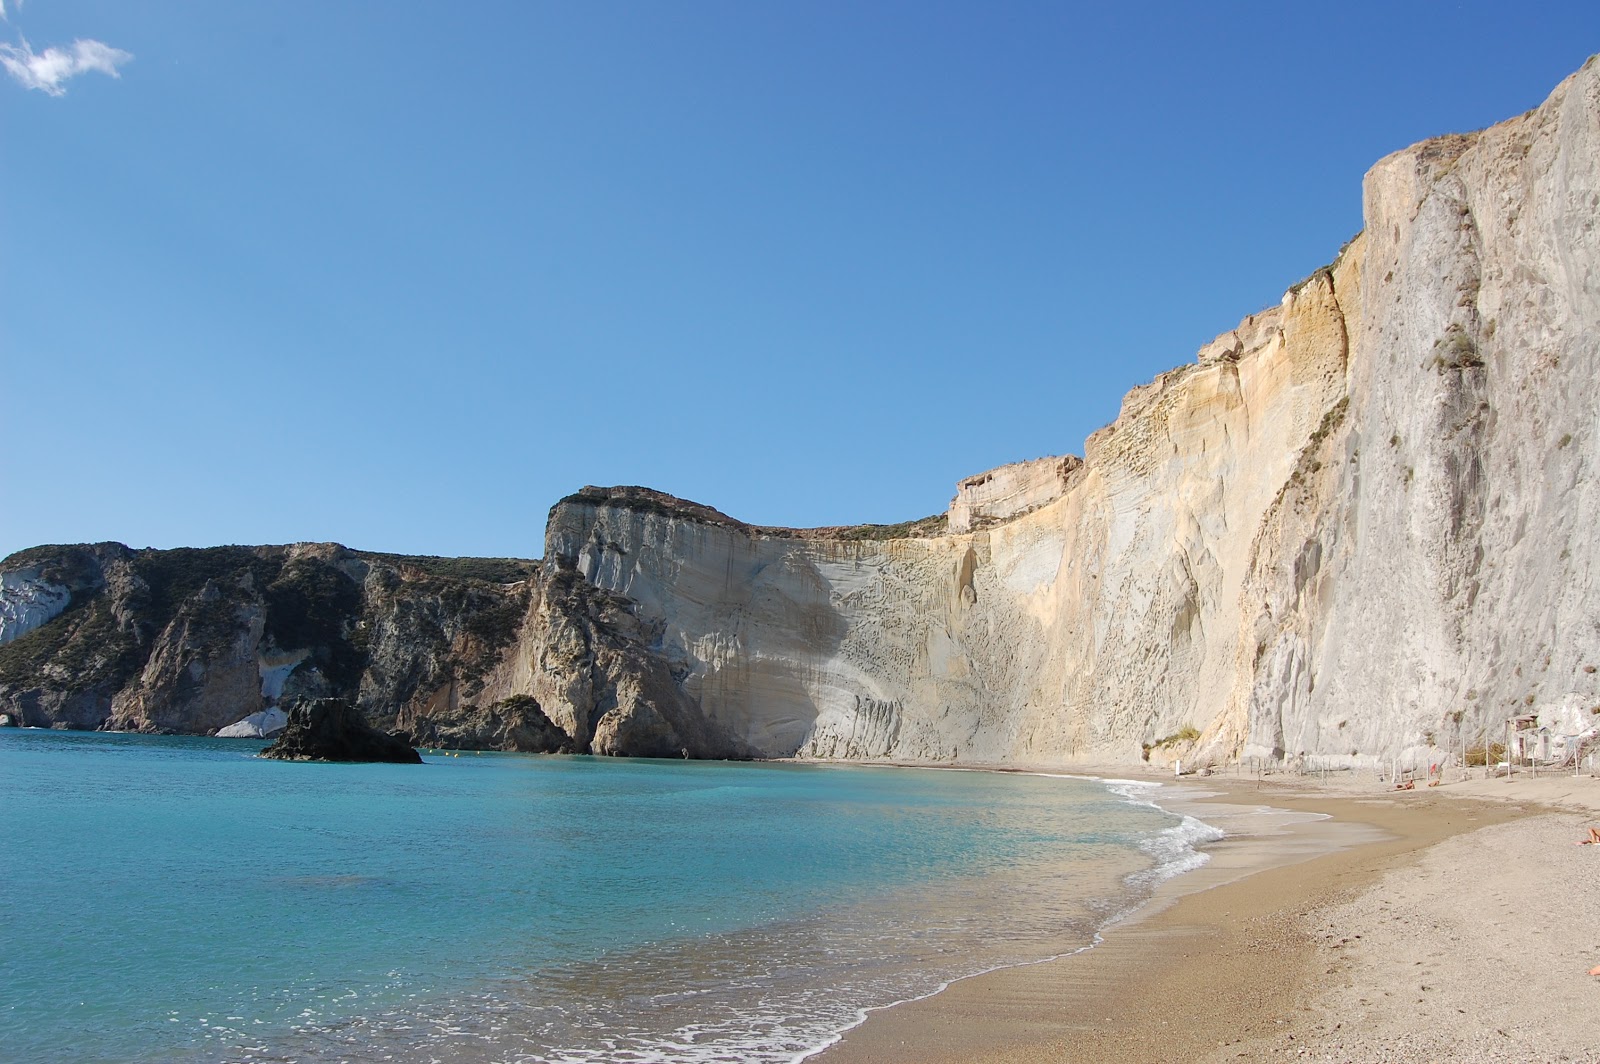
[{"x": 1341, "y": 921}]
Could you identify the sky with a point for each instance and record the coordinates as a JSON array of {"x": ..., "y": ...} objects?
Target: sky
[{"x": 401, "y": 276}]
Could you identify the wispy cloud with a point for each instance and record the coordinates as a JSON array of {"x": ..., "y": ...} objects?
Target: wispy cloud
[{"x": 49, "y": 70}]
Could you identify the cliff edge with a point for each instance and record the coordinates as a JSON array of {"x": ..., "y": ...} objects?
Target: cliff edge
[{"x": 1357, "y": 526}]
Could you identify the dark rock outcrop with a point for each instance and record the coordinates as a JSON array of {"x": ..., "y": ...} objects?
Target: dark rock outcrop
[
  {"x": 332, "y": 729},
  {"x": 190, "y": 640},
  {"x": 601, "y": 679},
  {"x": 514, "y": 724}
]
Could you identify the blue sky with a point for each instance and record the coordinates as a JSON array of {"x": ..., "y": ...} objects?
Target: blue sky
[{"x": 402, "y": 275}]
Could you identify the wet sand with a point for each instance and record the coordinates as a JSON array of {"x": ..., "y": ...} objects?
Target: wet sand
[{"x": 1448, "y": 924}]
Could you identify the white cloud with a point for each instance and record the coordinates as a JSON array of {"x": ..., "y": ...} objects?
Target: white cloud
[{"x": 49, "y": 70}]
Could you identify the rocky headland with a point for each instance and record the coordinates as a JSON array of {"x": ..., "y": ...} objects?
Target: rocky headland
[
  {"x": 1358, "y": 526},
  {"x": 191, "y": 641}
]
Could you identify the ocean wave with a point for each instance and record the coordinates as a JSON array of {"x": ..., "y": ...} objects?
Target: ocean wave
[{"x": 1173, "y": 849}]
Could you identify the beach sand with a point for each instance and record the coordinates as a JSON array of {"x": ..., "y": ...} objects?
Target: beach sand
[{"x": 1337, "y": 922}]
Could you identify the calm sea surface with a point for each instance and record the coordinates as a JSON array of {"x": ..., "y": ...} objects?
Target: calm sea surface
[{"x": 179, "y": 899}]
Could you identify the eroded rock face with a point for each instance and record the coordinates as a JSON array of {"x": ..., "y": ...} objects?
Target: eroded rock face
[
  {"x": 28, "y": 600},
  {"x": 64, "y": 671},
  {"x": 594, "y": 668},
  {"x": 1432, "y": 571},
  {"x": 332, "y": 729},
  {"x": 1359, "y": 525},
  {"x": 1082, "y": 628},
  {"x": 1010, "y": 491},
  {"x": 514, "y": 724},
  {"x": 190, "y": 641}
]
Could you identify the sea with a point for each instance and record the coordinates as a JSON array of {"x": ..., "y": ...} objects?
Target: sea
[{"x": 178, "y": 899}]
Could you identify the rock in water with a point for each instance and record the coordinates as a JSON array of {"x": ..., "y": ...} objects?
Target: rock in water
[{"x": 332, "y": 729}]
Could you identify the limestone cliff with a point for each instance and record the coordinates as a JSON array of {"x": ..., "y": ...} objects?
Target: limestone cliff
[
  {"x": 1010, "y": 491},
  {"x": 1081, "y": 628},
  {"x": 1359, "y": 525},
  {"x": 1431, "y": 570}
]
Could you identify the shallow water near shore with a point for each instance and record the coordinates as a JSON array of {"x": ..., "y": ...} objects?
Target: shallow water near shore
[{"x": 180, "y": 899}]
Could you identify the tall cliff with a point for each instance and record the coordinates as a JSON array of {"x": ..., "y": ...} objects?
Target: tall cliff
[
  {"x": 1431, "y": 571},
  {"x": 1358, "y": 525}
]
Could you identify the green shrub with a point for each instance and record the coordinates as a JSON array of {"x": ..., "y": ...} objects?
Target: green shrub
[
  {"x": 1455, "y": 350},
  {"x": 312, "y": 605},
  {"x": 82, "y": 641},
  {"x": 497, "y": 625},
  {"x": 484, "y": 570},
  {"x": 919, "y": 529},
  {"x": 173, "y": 575},
  {"x": 1186, "y": 734}
]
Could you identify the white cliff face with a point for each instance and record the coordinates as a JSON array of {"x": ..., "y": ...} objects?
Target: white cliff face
[
  {"x": 1011, "y": 490},
  {"x": 1436, "y": 574},
  {"x": 1086, "y": 626},
  {"x": 275, "y": 669},
  {"x": 27, "y": 600},
  {"x": 1360, "y": 525}
]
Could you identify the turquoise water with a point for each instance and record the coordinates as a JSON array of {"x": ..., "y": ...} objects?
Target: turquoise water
[{"x": 180, "y": 899}]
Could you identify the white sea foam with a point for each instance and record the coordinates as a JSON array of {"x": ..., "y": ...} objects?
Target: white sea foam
[
  {"x": 863, "y": 1014},
  {"x": 1173, "y": 849}
]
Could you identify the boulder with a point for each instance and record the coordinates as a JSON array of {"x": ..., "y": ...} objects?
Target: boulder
[
  {"x": 333, "y": 729},
  {"x": 263, "y": 725}
]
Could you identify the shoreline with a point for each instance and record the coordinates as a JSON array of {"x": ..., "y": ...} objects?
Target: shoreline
[
  {"x": 1337, "y": 921},
  {"x": 1248, "y": 955}
]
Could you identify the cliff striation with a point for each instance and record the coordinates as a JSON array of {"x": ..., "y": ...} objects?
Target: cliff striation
[{"x": 1357, "y": 526}]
